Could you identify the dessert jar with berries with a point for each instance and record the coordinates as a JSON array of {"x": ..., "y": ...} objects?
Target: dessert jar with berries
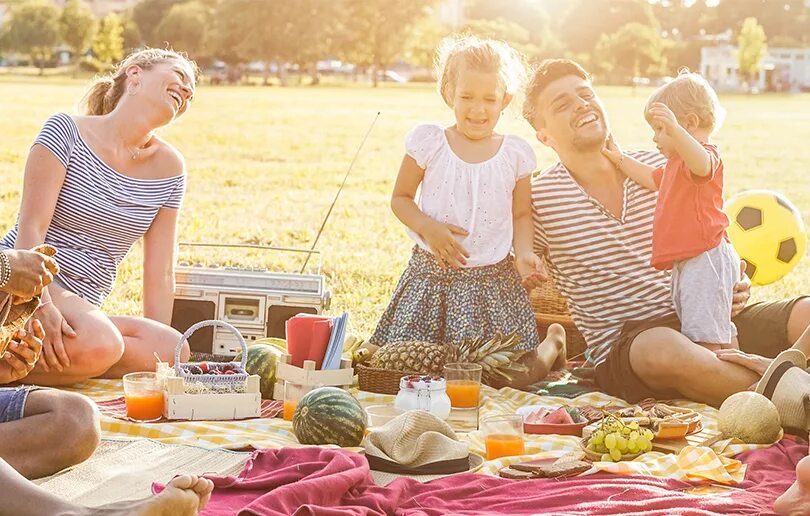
[{"x": 427, "y": 393}]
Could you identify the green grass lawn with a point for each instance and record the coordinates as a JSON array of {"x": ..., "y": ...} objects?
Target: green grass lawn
[{"x": 264, "y": 165}]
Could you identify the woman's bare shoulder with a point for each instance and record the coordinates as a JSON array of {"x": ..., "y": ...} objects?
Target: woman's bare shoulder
[{"x": 167, "y": 160}]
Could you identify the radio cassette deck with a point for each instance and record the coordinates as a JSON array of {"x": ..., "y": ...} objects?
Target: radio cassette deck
[{"x": 255, "y": 301}]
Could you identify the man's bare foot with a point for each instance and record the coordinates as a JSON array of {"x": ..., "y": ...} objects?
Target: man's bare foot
[
  {"x": 185, "y": 495},
  {"x": 557, "y": 333},
  {"x": 796, "y": 500}
]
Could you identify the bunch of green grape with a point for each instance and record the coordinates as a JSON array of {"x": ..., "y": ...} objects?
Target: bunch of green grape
[{"x": 614, "y": 439}]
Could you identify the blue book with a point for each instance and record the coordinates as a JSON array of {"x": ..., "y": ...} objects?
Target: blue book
[{"x": 334, "y": 349}]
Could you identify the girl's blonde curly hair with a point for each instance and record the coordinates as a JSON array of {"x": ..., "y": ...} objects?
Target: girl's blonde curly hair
[{"x": 485, "y": 55}]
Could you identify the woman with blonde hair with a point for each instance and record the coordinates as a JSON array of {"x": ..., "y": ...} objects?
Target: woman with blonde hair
[{"x": 94, "y": 185}]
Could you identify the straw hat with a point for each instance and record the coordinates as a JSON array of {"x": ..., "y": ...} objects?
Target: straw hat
[
  {"x": 417, "y": 445},
  {"x": 787, "y": 385}
]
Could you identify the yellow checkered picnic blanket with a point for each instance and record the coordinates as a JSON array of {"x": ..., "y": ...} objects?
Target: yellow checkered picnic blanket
[{"x": 693, "y": 463}]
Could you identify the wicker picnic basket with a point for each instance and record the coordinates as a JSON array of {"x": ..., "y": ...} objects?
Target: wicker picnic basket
[
  {"x": 549, "y": 307},
  {"x": 381, "y": 381}
]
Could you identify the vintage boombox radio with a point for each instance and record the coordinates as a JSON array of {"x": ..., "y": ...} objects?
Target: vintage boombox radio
[{"x": 255, "y": 301}]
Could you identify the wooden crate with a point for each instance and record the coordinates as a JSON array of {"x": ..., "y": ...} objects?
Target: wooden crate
[
  {"x": 309, "y": 376},
  {"x": 213, "y": 406}
]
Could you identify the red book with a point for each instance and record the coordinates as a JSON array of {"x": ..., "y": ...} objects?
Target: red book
[{"x": 307, "y": 338}]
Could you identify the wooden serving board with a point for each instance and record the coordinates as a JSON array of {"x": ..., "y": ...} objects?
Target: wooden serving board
[{"x": 702, "y": 437}]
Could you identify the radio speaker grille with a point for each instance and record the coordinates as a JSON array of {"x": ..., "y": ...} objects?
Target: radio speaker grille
[{"x": 189, "y": 312}]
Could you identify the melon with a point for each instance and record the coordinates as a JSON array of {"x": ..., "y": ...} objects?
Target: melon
[
  {"x": 750, "y": 417},
  {"x": 329, "y": 415},
  {"x": 537, "y": 416},
  {"x": 559, "y": 417},
  {"x": 271, "y": 341},
  {"x": 575, "y": 414},
  {"x": 262, "y": 360}
]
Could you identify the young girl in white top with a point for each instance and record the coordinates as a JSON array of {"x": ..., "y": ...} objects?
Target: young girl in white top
[{"x": 473, "y": 209}]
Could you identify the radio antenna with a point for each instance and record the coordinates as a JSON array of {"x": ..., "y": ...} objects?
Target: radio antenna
[{"x": 345, "y": 177}]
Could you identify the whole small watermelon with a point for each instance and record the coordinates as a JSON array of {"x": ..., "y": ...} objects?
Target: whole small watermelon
[
  {"x": 261, "y": 361},
  {"x": 329, "y": 415}
]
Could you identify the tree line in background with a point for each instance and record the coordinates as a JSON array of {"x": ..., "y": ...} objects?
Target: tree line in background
[{"x": 614, "y": 38}]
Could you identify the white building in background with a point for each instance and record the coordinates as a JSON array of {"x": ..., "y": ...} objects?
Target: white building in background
[
  {"x": 451, "y": 13},
  {"x": 781, "y": 69}
]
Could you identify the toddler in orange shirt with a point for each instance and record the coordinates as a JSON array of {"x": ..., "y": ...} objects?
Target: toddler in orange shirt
[{"x": 689, "y": 229}]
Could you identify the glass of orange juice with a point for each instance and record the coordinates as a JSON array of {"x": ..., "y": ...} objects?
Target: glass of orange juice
[
  {"x": 143, "y": 396},
  {"x": 463, "y": 384},
  {"x": 292, "y": 395},
  {"x": 503, "y": 436}
]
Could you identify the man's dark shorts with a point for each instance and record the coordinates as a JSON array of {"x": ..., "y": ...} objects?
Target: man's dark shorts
[
  {"x": 761, "y": 329},
  {"x": 12, "y": 402}
]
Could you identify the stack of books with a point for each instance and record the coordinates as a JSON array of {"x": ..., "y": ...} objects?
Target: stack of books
[{"x": 317, "y": 338}]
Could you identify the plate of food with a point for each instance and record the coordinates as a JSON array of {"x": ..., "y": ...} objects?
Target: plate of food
[
  {"x": 665, "y": 421},
  {"x": 613, "y": 440},
  {"x": 562, "y": 420}
]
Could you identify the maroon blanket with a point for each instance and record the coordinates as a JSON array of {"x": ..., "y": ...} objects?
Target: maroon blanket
[{"x": 329, "y": 482}]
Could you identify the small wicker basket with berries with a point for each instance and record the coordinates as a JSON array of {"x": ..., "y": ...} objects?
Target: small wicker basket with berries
[
  {"x": 212, "y": 376},
  {"x": 211, "y": 390}
]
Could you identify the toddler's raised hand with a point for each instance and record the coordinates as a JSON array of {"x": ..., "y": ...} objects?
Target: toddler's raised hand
[
  {"x": 612, "y": 151},
  {"x": 661, "y": 113},
  {"x": 441, "y": 238},
  {"x": 532, "y": 271}
]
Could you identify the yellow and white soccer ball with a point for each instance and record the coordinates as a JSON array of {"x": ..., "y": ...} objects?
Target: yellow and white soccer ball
[{"x": 767, "y": 232}]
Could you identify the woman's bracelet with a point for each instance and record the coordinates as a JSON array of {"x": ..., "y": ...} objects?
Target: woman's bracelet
[{"x": 5, "y": 269}]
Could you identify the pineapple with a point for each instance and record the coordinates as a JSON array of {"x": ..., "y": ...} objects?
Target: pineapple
[{"x": 498, "y": 356}]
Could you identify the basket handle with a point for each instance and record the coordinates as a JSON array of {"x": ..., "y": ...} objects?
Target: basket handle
[{"x": 204, "y": 324}]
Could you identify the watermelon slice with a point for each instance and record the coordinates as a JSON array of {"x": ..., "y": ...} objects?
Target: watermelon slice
[
  {"x": 559, "y": 417},
  {"x": 575, "y": 414},
  {"x": 537, "y": 416}
]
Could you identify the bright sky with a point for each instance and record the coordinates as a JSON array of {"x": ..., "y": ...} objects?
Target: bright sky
[{"x": 710, "y": 3}]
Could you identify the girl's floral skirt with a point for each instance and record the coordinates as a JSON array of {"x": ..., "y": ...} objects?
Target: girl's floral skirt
[{"x": 448, "y": 305}]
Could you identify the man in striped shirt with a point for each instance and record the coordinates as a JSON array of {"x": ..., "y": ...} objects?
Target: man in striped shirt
[{"x": 595, "y": 228}]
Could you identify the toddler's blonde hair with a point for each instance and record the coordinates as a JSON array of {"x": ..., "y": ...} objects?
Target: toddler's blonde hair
[
  {"x": 690, "y": 93},
  {"x": 484, "y": 55}
]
